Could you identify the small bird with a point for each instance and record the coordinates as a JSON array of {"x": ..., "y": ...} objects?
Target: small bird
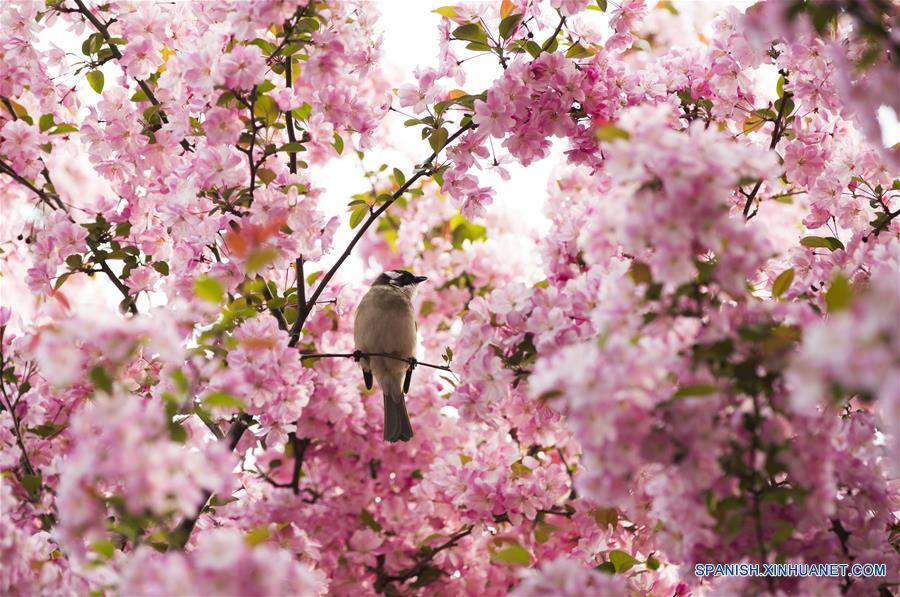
[{"x": 385, "y": 323}]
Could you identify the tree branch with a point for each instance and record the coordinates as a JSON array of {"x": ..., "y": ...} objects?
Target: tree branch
[
  {"x": 299, "y": 447},
  {"x": 132, "y": 306},
  {"x": 182, "y": 533},
  {"x": 46, "y": 198},
  {"x": 423, "y": 558},
  {"x": 776, "y": 136},
  {"x": 358, "y": 355},
  {"x": 104, "y": 31},
  {"x": 424, "y": 169},
  {"x": 549, "y": 42}
]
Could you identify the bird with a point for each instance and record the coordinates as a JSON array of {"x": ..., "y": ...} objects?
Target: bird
[{"x": 385, "y": 323}]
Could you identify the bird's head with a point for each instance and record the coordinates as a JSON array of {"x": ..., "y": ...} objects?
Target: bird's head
[{"x": 401, "y": 279}]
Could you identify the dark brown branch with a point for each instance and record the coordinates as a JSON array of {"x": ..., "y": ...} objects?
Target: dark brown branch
[
  {"x": 288, "y": 117},
  {"x": 276, "y": 312},
  {"x": 182, "y": 533},
  {"x": 883, "y": 224},
  {"x": 549, "y": 42},
  {"x": 423, "y": 559},
  {"x": 299, "y": 447},
  {"x": 572, "y": 493},
  {"x": 424, "y": 169},
  {"x": 776, "y": 136},
  {"x": 357, "y": 355},
  {"x": 104, "y": 31},
  {"x": 302, "y": 307},
  {"x": 46, "y": 198}
]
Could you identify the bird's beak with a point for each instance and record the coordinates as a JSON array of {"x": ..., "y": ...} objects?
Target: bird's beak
[{"x": 420, "y": 279}]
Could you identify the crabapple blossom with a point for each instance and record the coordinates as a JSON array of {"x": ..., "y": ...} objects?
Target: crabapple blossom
[{"x": 693, "y": 358}]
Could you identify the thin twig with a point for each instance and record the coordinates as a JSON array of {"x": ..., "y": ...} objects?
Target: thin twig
[
  {"x": 302, "y": 307},
  {"x": 358, "y": 355},
  {"x": 552, "y": 38},
  {"x": 182, "y": 533},
  {"x": 776, "y": 136},
  {"x": 423, "y": 558},
  {"x": 276, "y": 312}
]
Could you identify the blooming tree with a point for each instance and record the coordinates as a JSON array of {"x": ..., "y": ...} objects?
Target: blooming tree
[{"x": 698, "y": 362}]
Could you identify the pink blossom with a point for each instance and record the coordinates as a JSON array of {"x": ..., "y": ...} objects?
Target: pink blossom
[{"x": 240, "y": 68}]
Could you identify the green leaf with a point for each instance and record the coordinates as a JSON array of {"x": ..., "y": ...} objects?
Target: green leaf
[
  {"x": 839, "y": 294},
  {"x": 399, "y": 177},
  {"x": 621, "y": 560},
  {"x": 543, "y": 531},
  {"x": 45, "y": 430},
  {"x": 303, "y": 112},
  {"x": 222, "y": 400},
  {"x": 446, "y": 11},
  {"x": 140, "y": 96},
  {"x": 266, "y": 109},
  {"x": 177, "y": 432},
  {"x": 162, "y": 267},
  {"x": 291, "y": 147},
  {"x": 602, "y": 5},
  {"x": 471, "y": 32},
  {"x": 256, "y": 535},
  {"x": 358, "y": 214},
  {"x": 606, "y": 517},
  {"x": 610, "y": 133},
  {"x": 779, "y": 86},
  {"x": 61, "y": 279},
  {"x": 92, "y": 44},
  {"x": 782, "y": 282},
  {"x": 464, "y": 230},
  {"x": 32, "y": 484},
  {"x": 64, "y": 128},
  {"x": 652, "y": 563},
  {"x": 104, "y": 547},
  {"x": 606, "y": 567},
  {"x": 74, "y": 261},
  {"x": 532, "y": 48},
  {"x": 338, "y": 144},
  {"x": 209, "y": 289},
  {"x": 513, "y": 555},
  {"x": 369, "y": 520},
  {"x": 265, "y": 175},
  {"x": 45, "y": 122},
  {"x": 509, "y": 24},
  {"x": 578, "y": 51},
  {"x": 101, "y": 379},
  {"x": 639, "y": 272},
  {"x": 818, "y": 242},
  {"x": 695, "y": 389},
  {"x": 438, "y": 139},
  {"x": 95, "y": 79}
]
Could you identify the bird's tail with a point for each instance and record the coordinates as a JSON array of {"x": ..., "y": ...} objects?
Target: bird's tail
[{"x": 396, "y": 420}]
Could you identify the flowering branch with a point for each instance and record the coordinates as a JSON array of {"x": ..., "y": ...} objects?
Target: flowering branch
[
  {"x": 424, "y": 169},
  {"x": 104, "y": 31},
  {"x": 298, "y": 446},
  {"x": 182, "y": 532},
  {"x": 45, "y": 197},
  {"x": 777, "y": 132},
  {"x": 424, "y": 558}
]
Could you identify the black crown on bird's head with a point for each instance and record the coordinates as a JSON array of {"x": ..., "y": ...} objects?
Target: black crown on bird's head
[{"x": 398, "y": 277}]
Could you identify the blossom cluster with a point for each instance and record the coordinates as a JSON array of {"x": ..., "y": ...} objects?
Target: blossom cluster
[{"x": 694, "y": 360}]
